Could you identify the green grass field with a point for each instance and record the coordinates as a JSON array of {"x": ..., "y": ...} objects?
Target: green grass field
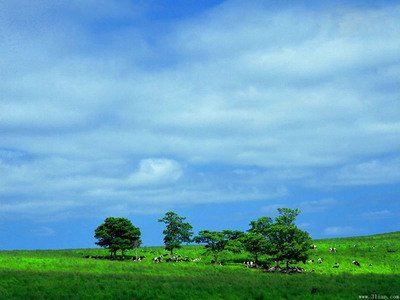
[{"x": 68, "y": 274}]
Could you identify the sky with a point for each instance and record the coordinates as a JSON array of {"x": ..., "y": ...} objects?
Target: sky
[{"x": 222, "y": 111}]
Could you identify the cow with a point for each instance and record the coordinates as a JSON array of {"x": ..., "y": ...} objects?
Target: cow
[
  {"x": 250, "y": 264},
  {"x": 356, "y": 263},
  {"x": 332, "y": 250},
  {"x": 313, "y": 247},
  {"x": 336, "y": 265},
  {"x": 310, "y": 261},
  {"x": 158, "y": 259},
  {"x": 196, "y": 259},
  {"x": 320, "y": 260}
]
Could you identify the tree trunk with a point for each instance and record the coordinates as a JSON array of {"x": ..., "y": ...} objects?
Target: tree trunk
[{"x": 171, "y": 253}]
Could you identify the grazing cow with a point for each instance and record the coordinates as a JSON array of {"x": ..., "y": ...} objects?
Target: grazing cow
[
  {"x": 310, "y": 261},
  {"x": 196, "y": 259},
  {"x": 332, "y": 250},
  {"x": 320, "y": 260},
  {"x": 356, "y": 263},
  {"x": 313, "y": 247},
  {"x": 336, "y": 265},
  {"x": 250, "y": 264},
  {"x": 158, "y": 259}
]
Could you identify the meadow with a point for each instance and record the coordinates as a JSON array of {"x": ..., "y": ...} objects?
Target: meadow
[{"x": 75, "y": 274}]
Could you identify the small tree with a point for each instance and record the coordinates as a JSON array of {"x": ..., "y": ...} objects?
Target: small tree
[
  {"x": 284, "y": 240},
  {"x": 218, "y": 241},
  {"x": 117, "y": 234},
  {"x": 176, "y": 231}
]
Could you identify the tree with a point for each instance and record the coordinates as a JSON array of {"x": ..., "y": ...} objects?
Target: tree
[
  {"x": 286, "y": 241},
  {"x": 176, "y": 231},
  {"x": 256, "y": 244},
  {"x": 117, "y": 234},
  {"x": 261, "y": 226},
  {"x": 218, "y": 241},
  {"x": 289, "y": 243}
]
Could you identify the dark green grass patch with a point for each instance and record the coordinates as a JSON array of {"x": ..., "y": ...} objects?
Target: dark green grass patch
[{"x": 223, "y": 285}]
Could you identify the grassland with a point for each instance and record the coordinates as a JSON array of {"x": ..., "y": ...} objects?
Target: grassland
[{"x": 68, "y": 274}]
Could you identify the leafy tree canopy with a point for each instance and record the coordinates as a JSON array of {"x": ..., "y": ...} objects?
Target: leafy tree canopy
[
  {"x": 256, "y": 244},
  {"x": 284, "y": 240},
  {"x": 176, "y": 231},
  {"x": 218, "y": 241},
  {"x": 117, "y": 234}
]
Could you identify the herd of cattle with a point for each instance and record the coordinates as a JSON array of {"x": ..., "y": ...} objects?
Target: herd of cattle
[{"x": 248, "y": 264}]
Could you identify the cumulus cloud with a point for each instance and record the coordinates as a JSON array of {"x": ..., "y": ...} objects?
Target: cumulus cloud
[{"x": 156, "y": 171}]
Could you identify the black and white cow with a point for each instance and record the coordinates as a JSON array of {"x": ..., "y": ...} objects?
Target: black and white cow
[{"x": 356, "y": 263}]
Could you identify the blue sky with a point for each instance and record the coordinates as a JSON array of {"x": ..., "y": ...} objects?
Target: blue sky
[{"x": 221, "y": 111}]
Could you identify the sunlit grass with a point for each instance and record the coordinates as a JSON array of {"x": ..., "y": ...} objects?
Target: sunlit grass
[{"x": 68, "y": 274}]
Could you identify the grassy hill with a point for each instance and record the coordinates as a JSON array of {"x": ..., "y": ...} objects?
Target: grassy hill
[{"x": 71, "y": 274}]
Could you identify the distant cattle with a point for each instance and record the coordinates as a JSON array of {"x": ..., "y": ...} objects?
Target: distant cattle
[
  {"x": 196, "y": 259},
  {"x": 332, "y": 250},
  {"x": 313, "y": 247},
  {"x": 138, "y": 258},
  {"x": 310, "y": 261},
  {"x": 216, "y": 262},
  {"x": 250, "y": 264},
  {"x": 356, "y": 263},
  {"x": 336, "y": 265},
  {"x": 320, "y": 260},
  {"x": 158, "y": 259},
  {"x": 178, "y": 259}
]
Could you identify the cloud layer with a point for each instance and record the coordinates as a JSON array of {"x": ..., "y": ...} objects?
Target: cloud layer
[{"x": 238, "y": 103}]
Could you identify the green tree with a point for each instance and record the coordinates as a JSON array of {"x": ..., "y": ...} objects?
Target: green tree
[
  {"x": 289, "y": 243},
  {"x": 176, "y": 231},
  {"x": 117, "y": 234},
  {"x": 218, "y": 241},
  {"x": 286, "y": 242},
  {"x": 256, "y": 244},
  {"x": 261, "y": 226}
]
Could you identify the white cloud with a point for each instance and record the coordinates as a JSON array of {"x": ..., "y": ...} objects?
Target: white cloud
[
  {"x": 156, "y": 171},
  {"x": 367, "y": 173},
  {"x": 283, "y": 97}
]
